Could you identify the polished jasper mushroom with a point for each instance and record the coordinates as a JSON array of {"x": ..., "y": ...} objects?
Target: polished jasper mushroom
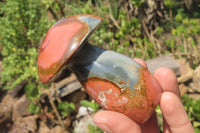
[{"x": 115, "y": 81}]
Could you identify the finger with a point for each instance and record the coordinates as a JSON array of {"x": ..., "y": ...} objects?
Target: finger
[
  {"x": 114, "y": 122},
  {"x": 174, "y": 114},
  {"x": 167, "y": 80},
  {"x": 141, "y": 62}
]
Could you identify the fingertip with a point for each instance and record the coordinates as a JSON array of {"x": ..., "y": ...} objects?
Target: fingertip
[
  {"x": 174, "y": 114},
  {"x": 100, "y": 120},
  {"x": 114, "y": 122},
  {"x": 169, "y": 103},
  {"x": 100, "y": 117},
  {"x": 167, "y": 80},
  {"x": 141, "y": 62},
  {"x": 165, "y": 72}
]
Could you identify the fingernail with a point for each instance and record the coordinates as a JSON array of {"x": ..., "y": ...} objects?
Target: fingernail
[{"x": 105, "y": 128}]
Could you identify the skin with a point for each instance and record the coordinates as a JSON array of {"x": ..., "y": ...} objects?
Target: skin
[{"x": 175, "y": 119}]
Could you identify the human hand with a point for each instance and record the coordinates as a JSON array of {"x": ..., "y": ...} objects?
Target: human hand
[{"x": 175, "y": 119}]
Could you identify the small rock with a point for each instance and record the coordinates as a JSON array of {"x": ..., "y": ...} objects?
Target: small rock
[
  {"x": 82, "y": 111},
  {"x": 16, "y": 129},
  {"x": 195, "y": 85},
  {"x": 183, "y": 89},
  {"x": 6, "y": 106},
  {"x": 20, "y": 107},
  {"x": 185, "y": 70},
  {"x": 28, "y": 124},
  {"x": 81, "y": 126},
  {"x": 58, "y": 129},
  {"x": 163, "y": 61},
  {"x": 43, "y": 128}
]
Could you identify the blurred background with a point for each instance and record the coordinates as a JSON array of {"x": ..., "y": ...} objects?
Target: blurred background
[{"x": 137, "y": 28}]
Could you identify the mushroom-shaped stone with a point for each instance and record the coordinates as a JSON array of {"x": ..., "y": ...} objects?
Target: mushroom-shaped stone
[
  {"x": 61, "y": 42},
  {"x": 114, "y": 80}
]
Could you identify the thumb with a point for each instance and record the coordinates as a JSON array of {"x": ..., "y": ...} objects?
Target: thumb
[{"x": 114, "y": 122}]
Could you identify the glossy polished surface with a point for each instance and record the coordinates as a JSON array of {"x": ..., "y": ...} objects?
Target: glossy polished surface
[
  {"x": 115, "y": 81},
  {"x": 61, "y": 41}
]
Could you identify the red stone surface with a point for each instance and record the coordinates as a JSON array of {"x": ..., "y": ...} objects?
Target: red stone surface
[{"x": 138, "y": 104}]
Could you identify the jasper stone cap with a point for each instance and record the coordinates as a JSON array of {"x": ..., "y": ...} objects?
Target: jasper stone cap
[{"x": 61, "y": 42}]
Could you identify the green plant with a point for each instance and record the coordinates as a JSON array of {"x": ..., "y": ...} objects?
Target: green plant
[
  {"x": 32, "y": 91},
  {"x": 93, "y": 105},
  {"x": 66, "y": 108},
  {"x": 22, "y": 25},
  {"x": 193, "y": 109},
  {"x": 33, "y": 108},
  {"x": 185, "y": 41},
  {"x": 137, "y": 3},
  {"x": 94, "y": 129},
  {"x": 159, "y": 117}
]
